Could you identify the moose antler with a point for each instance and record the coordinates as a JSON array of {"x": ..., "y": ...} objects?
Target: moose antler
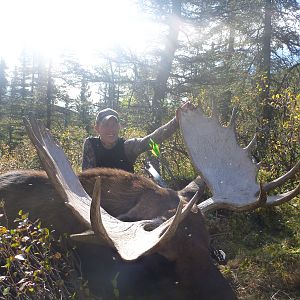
[
  {"x": 143, "y": 241},
  {"x": 114, "y": 232},
  {"x": 227, "y": 168}
]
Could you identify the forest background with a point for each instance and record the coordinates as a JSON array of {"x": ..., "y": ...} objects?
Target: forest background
[{"x": 243, "y": 54}]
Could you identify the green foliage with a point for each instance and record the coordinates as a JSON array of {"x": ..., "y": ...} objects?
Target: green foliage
[
  {"x": 284, "y": 146},
  {"x": 22, "y": 157},
  {"x": 36, "y": 266},
  {"x": 263, "y": 250},
  {"x": 71, "y": 140}
]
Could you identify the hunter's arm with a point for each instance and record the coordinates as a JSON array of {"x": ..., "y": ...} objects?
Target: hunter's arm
[
  {"x": 134, "y": 147},
  {"x": 88, "y": 157}
]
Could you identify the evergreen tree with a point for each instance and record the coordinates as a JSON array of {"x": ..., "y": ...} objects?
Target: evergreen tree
[
  {"x": 84, "y": 105},
  {"x": 3, "y": 81}
]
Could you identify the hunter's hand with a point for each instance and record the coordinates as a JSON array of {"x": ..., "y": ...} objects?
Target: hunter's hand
[{"x": 185, "y": 106}]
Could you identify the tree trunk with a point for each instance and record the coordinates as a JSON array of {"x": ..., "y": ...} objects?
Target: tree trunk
[
  {"x": 265, "y": 72},
  {"x": 165, "y": 65},
  {"x": 49, "y": 95},
  {"x": 267, "y": 112}
]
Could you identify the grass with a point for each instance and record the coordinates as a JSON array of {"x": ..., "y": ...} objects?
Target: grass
[{"x": 263, "y": 249}]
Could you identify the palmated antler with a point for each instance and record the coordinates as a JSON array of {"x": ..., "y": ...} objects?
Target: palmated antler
[
  {"x": 130, "y": 239},
  {"x": 227, "y": 168},
  {"x": 142, "y": 241}
]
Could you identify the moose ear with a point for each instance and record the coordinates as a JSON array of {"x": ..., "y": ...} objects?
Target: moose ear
[{"x": 86, "y": 237}]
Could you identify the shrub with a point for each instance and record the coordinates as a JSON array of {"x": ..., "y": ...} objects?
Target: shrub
[{"x": 36, "y": 266}]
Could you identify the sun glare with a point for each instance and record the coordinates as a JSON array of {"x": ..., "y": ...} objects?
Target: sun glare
[{"x": 82, "y": 26}]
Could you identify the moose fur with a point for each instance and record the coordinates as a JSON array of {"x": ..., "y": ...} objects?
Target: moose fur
[{"x": 128, "y": 197}]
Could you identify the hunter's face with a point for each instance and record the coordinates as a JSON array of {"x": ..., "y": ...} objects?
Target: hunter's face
[{"x": 108, "y": 131}]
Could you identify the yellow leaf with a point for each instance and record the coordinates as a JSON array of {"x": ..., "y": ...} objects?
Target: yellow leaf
[{"x": 3, "y": 229}]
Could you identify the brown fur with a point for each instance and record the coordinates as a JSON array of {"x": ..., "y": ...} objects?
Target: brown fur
[{"x": 130, "y": 197}]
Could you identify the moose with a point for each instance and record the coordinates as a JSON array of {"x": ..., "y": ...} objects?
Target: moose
[{"x": 136, "y": 218}]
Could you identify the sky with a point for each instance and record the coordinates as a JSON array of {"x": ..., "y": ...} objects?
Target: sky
[
  {"x": 83, "y": 27},
  {"x": 52, "y": 27}
]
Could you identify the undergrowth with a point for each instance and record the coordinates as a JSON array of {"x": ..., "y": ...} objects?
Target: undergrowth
[
  {"x": 263, "y": 249},
  {"x": 34, "y": 265}
]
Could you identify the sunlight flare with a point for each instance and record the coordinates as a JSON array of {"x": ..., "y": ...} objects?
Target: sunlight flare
[{"x": 84, "y": 27}]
